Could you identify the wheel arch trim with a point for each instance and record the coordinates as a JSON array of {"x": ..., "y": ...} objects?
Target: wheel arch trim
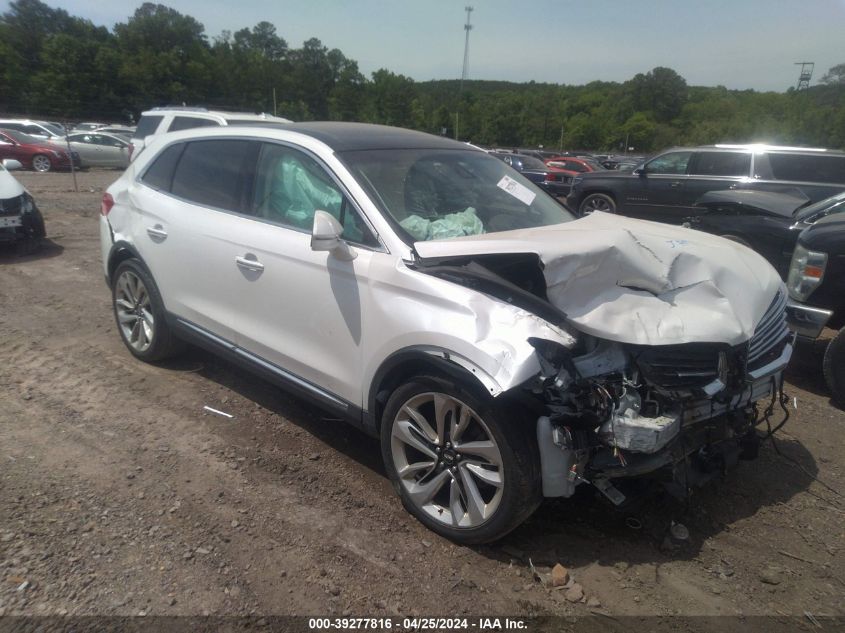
[
  {"x": 423, "y": 358},
  {"x": 119, "y": 252}
]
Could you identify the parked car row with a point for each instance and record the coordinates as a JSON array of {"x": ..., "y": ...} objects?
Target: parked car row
[{"x": 35, "y": 154}]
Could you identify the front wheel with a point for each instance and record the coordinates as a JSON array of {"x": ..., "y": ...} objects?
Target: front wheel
[
  {"x": 465, "y": 467},
  {"x": 597, "y": 202},
  {"x": 834, "y": 367},
  {"x": 42, "y": 163}
]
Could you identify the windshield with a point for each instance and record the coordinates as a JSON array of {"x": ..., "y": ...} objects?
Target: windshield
[
  {"x": 594, "y": 164},
  {"x": 25, "y": 139},
  {"x": 818, "y": 210},
  {"x": 529, "y": 162},
  {"x": 436, "y": 194}
]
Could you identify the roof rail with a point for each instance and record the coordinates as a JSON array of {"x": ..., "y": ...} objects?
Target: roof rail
[
  {"x": 183, "y": 108},
  {"x": 764, "y": 146}
]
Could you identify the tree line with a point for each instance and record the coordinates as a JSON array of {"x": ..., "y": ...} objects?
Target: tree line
[{"x": 59, "y": 66}]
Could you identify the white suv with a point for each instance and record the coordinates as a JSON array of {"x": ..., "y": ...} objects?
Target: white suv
[
  {"x": 174, "y": 119},
  {"x": 426, "y": 292}
]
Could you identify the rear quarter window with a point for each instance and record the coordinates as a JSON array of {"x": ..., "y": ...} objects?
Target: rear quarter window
[
  {"x": 147, "y": 125},
  {"x": 807, "y": 168},
  {"x": 159, "y": 174},
  {"x": 188, "y": 123}
]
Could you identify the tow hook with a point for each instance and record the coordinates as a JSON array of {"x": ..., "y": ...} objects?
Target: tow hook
[{"x": 610, "y": 491}]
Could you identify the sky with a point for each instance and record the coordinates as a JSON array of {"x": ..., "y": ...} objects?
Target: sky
[{"x": 739, "y": 44}]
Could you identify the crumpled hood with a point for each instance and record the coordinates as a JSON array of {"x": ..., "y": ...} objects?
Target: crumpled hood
[{"x": 638, "y": 282}]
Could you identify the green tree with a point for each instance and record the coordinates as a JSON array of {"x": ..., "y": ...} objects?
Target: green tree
[
  {"x": 661, "y": 91},
  {"x": 836, "y": 75}
]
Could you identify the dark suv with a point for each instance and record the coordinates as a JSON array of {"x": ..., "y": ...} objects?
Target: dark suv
[
  {"x": 816, "y": 286},
  {"x": 667, "y": 186}
]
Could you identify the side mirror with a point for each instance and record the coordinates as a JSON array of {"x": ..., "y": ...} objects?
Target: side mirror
[
  {"x": 325, "y": 236},
  {"x": 11, "y": 164},
  {"x": 641, "y": 172}
]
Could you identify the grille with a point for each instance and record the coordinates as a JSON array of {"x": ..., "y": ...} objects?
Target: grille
[
  {"x": 11, "y": 206},
  {"x": 771, "y": 334},
  {"x": 681, "y": 367}
]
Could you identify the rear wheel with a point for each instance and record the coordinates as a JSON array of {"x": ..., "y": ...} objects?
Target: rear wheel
[
  {"x": 464, "y": 466},
  {"x": 597, "y": 202},
  {"x": 139, "y": 312},
  {"x": 40, "y": 162},
  {"x": 834, "y": 367}
]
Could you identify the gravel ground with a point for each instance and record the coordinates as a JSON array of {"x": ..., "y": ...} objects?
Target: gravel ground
[{"x": 120, "y": 495}]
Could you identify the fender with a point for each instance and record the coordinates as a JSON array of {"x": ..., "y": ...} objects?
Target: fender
[{"x": 438, "y": 359}]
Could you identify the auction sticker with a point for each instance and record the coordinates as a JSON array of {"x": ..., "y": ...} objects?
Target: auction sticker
[{"x": 517, "y": 190}]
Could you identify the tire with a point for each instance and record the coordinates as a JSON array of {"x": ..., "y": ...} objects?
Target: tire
[
  {"x": 485, "y": 451},
  {"x": 140, "y": 315},
  {"x": 597, "y": 202},
  {"x": 42, "y": 163},
  {"x": 834, "y": 368}
]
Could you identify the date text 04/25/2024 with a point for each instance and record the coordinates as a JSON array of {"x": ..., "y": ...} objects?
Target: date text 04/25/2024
[{"x": 417, "y": 624}]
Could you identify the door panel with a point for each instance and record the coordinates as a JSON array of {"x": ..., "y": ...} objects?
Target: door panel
[
  {"x": 660, "y": 192},
  {"x": 301, "y": 310},
  {"x": 191, "y": 257}
]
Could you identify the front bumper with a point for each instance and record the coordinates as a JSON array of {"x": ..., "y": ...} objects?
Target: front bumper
[{"x": 806, "y": 321}]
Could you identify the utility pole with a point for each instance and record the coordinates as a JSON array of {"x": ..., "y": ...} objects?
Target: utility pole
[{"x": 467, "y": 28}]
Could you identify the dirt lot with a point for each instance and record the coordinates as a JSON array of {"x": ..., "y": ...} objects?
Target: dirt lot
[{"x": 120, "y": 495}]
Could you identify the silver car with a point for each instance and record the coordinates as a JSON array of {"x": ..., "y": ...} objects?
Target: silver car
[
  {"x": 502, "y": 350},
  {"x": 98, "y": 149}
]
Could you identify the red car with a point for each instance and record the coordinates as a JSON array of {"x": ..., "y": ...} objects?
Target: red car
[
  {"x": 34, "y": 154},
  {"x": 574, "y": 165}
]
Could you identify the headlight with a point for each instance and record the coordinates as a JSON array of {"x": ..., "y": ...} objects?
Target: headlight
[
  {"x": 27, "y": 205},
  {"x": 806, "y": 272}
]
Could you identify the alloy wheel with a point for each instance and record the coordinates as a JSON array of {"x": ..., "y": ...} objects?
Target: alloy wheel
[
  {"x": 41, "y": 163},
  {"x": 597, "y": 203},
  {"x": 447, "y": 460},
  {"x": 134, "y": 313}
]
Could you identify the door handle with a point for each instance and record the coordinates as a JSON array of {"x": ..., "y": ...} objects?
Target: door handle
[
  {"x": 675, "y": 184},
  {"x": 249, "y": 262},
  {"x": 157, "y": 231}
]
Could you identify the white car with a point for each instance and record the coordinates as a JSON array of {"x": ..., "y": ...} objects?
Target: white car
[
  {"x": 21, "y": 223},
  {"x": 174, "y": 119},
  {"x": 502, "y": 349}
]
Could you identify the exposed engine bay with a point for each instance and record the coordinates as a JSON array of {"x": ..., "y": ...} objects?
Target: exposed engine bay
[{"x": 679, "y": 413}]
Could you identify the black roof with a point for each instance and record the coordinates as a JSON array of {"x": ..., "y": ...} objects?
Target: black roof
[{"x": 346, "y": 137}]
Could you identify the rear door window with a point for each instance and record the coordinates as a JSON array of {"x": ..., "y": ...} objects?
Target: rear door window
[
  {"x": 215, "y": 173},
  {"x": 147, "y": 125},
  {"x": 189, "y": 122},
  {"x": 721, "y": 164},
  {"x": 807, "y": 168}
]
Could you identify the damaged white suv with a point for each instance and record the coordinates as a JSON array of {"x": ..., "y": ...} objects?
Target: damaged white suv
[{"x": 501, "y": 349}]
